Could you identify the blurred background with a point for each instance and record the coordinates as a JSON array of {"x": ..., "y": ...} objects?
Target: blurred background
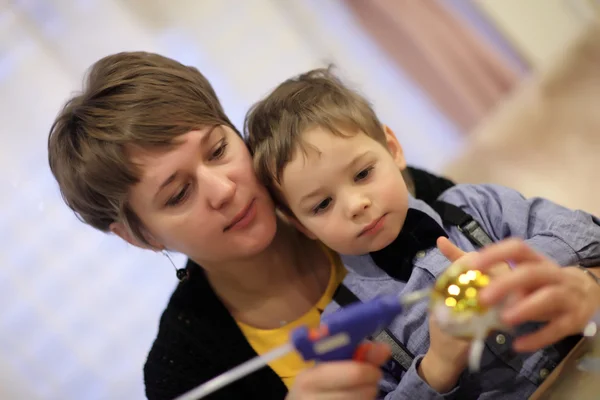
[{"x": 502, "y": 91}]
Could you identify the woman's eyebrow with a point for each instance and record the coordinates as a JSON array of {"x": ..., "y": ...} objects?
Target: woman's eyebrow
[
  {"x": 205, "y": 138},
  {"x": 166, "y": 183}
]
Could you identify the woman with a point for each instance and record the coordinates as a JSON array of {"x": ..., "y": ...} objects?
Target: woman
[{"x": 146, "y": 152}]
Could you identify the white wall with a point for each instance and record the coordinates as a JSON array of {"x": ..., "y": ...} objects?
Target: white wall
[
  {"x": 79, "y": 309},
  {"x": 540, "y": 29}
]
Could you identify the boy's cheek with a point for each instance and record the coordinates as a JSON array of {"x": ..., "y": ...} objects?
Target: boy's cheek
[{"x": 333, "y": 236}]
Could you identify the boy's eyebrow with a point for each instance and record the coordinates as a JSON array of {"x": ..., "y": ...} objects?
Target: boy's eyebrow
[
  {"x": 351, "y": 165},
  {"x": 307, "y": 197}
]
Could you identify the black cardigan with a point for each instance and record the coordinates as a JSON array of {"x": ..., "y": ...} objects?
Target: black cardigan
[{"x": 198, "y": 339}]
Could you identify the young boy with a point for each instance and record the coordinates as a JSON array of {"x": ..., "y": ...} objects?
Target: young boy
[{"x": 335, "y": 171}]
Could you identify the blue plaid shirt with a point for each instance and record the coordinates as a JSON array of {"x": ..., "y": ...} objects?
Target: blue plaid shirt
[{"x": 568, "y": 237}]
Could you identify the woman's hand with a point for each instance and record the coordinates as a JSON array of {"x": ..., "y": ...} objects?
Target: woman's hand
[
  {"x": 454, "y": 254},
  {"x": 564, "y": 297},
  {"x": 339, "y": 380}
]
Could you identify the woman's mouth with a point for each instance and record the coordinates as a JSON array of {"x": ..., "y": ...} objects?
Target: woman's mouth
[{"x": 243, "y": 218}]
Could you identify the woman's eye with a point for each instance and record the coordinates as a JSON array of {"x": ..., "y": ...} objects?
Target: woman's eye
[
  {"x": 219, "y": 151},
  {"x": 322, "y": 206},
  {"x": 179, "y": 197},
  {"x": 363, "y": 174}
]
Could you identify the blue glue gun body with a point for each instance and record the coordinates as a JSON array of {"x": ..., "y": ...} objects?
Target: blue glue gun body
[{"x": 340, "y": 335}]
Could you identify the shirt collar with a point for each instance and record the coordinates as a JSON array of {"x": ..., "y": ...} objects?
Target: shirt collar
[{"x": 421, "y": 229}]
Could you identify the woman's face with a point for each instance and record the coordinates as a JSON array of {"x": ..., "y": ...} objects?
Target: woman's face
[{"x": 202, "y": 198}]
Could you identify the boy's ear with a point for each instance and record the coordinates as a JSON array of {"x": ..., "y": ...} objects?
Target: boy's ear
[
  {"x": 394, "y": 147},
  {"x": 119, "y": 229}
]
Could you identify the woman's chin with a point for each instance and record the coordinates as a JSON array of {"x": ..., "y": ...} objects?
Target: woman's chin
[{"x": 259, "y": 237}]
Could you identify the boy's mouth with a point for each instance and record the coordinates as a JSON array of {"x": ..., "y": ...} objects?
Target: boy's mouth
[{"x": 373, "y": 227}]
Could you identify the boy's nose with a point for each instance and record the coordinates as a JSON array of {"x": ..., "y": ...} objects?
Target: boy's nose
[{"x": 359, "y": 205}]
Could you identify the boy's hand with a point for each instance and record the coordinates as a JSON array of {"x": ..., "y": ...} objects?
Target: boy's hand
[
  {"x": 565, "y": 297},
  {"x": 447, "y": 356},
  {"x": 445, "y": 360}
]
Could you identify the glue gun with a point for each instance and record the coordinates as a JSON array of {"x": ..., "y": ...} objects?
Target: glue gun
[{"x": 341, "y": 336}]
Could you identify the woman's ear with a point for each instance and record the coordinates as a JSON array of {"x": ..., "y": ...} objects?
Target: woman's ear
[
  {"x": 394, "y": 147},
  {"x": 119, "y": 229}
]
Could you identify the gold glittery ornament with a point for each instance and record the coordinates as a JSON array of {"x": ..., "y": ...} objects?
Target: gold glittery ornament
[
  {"x": 458, "y": 289},
  {"x": 455, "y": 304}
]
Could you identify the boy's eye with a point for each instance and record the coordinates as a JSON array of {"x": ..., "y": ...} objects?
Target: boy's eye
[
  {"x": 322, "y": 206},
  {"x": 179, "y": 197},
  {"x": 363, "y": 174},
  {"x": 219, "y": 151}
]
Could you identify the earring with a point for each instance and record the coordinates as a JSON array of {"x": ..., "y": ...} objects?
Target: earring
[{"x": 181, "y": 273}]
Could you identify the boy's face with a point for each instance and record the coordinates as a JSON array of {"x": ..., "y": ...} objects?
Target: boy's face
[{"x": 348, "y": 192}]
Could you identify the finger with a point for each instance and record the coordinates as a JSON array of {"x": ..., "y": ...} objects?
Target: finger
[
  {"x": 449, "y": 249},
  {"x": 526, "y": 279},
  {"x": 359, "y": 393},
  {"x": 514, "y": 250},
  {"x": 540, "y": 305},
  {"x": 514, "y": 298},
  {"x": 339, "y": 375},
  {"x": 549, "y": 334},
  {"x": 378, "y": 354}
]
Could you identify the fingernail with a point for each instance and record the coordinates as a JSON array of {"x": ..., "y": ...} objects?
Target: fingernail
[{"x": 362, "y": 351}]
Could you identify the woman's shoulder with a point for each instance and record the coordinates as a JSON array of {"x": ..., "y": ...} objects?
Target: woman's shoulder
[
  {"x": 185, "y": 351},
  {"x": 197, "y": 340}
]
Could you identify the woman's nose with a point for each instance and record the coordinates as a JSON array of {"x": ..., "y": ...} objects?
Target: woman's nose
[{"x": 219, "y": 189}]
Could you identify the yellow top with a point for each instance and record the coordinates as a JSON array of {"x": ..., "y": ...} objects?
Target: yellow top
[{"x": 264, "y": 340}]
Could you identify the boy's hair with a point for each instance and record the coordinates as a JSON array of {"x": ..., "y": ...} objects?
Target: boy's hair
[
  {"x": 274, "y": 126},
  {"x": 129, "y": 100}
]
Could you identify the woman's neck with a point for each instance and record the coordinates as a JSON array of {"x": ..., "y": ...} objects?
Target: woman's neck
[{"x": 284, "y": 280}]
